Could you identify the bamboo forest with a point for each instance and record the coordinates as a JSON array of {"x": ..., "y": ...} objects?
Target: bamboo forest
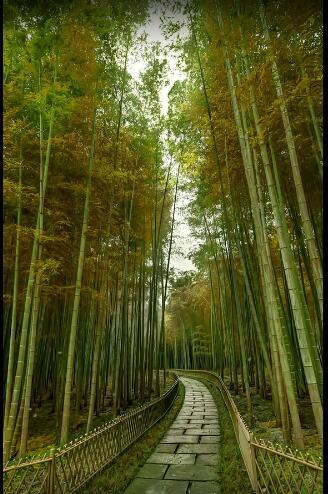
[{"x": 162, "y": 246}]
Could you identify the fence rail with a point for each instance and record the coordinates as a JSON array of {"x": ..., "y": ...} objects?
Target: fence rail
[
  {"x": 272, "y": 468},
  {"x": 64, "y": 470}
]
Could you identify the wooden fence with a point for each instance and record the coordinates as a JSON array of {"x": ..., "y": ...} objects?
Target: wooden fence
[
  {"x": 272, "y": 468},
  {"x": 67, "y": 469}
]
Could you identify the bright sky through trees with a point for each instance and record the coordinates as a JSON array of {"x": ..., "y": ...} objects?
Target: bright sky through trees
[{"x": 183, "y": 240}]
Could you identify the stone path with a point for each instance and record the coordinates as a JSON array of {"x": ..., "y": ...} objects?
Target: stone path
[{"x": 185, "y": 461}]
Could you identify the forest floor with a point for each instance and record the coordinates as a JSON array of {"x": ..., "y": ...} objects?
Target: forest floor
[
  {"x": 264, "y": 421},
  {"x": 44, "y": 432}
]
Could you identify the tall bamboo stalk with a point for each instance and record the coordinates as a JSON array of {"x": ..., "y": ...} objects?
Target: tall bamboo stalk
[
  {"x": 13, "y": 326},
  {"x": 77, "y": 294},
  {"x": 301, "y": 199}
]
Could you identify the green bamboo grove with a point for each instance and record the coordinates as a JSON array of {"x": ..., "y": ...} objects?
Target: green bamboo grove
[
  {"x": 94, "y": 313},
  {"x": 260, "y": 260}
]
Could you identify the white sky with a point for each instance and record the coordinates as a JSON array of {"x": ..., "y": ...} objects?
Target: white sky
[{"x": 183, "y": 241}]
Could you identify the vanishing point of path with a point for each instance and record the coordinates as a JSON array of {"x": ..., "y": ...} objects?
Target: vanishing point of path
[{"x": 185, "y": 461}]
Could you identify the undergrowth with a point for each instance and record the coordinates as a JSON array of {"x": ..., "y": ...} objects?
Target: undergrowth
[{"x": 264, "y": 421}]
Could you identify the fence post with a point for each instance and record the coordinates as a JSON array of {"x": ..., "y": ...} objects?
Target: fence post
[
  {"x": 253, "y": 461},
  {"x": 119, "y": 433},
  {"x": 51, "y": 474}
]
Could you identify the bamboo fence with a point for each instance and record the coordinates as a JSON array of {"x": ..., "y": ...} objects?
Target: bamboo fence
[
  {"x": 67, "y": 469},
  {"x": 272, "y": 468}
]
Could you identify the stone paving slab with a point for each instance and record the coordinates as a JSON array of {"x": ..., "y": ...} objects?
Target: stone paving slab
[
  {"x": 201, "y": 432},
  {"x": 152, "y": 486},
  {"x": 172, "y": 459},
  {"x": 208, "y": 439},
  {"x": 151, "y": 471},
  {"x": 182, "y": 426},
  {"x": 210, "y": 421},
  {"x": 213, "y": 426},
  {"x": 198, "y": 448},
  {"x": 179, "y": 432},
  {"x": 166, "y": 448},
  {"x": 185, "y": 461},
  {"x": 205, "y": 488},
  {"x": 180, "y": 439},
  {"x": 189, "y": 472},
  {"x": 207, "y": 459}
]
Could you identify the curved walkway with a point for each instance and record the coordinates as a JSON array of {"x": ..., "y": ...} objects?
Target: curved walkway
[{"x": 185, "y": 461}]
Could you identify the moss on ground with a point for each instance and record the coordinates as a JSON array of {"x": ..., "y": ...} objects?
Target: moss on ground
[{"x": 118, "y": 475}]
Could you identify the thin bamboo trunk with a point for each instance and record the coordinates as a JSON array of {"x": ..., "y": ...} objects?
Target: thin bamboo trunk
[
  {"x": 77, "y": 295},
  {"x": 13, "y": 326}
]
